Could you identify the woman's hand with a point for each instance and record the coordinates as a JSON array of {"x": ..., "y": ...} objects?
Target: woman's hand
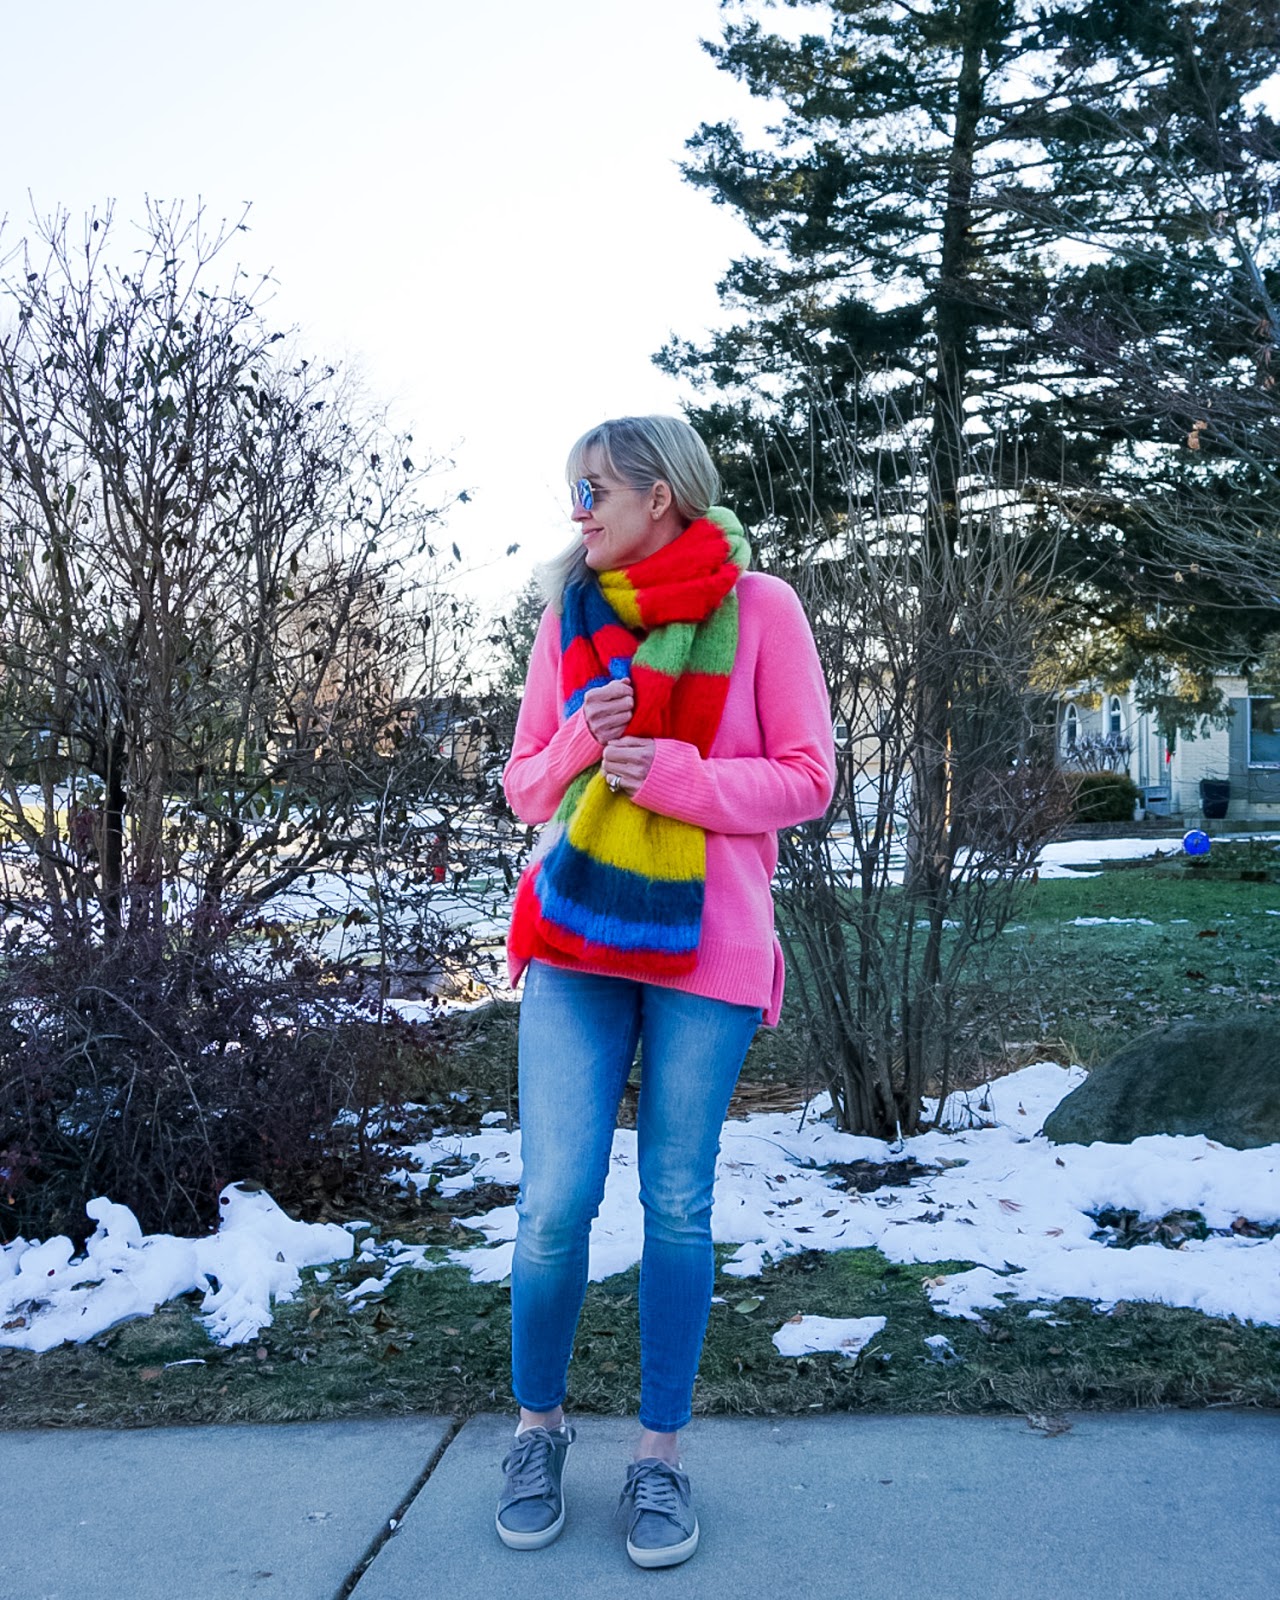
[
  {"x": 626, "y": 763},
  {"x": 608, "y": 709}
]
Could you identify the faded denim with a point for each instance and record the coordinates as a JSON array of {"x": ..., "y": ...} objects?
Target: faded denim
[{"x": 578, "y": 1037}]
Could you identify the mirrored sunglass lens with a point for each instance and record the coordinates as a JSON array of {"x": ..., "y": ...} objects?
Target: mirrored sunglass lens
[{"x": 582, "y": 494}]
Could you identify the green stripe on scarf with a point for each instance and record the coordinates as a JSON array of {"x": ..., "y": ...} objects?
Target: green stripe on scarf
[{"x": 619, "y": 888}]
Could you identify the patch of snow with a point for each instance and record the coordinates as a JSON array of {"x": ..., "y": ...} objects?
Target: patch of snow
[
  {"x": 1102, "y": 922},
  {"x": 49, "y": 1296},
  {"x": 1001, "y": 1197},
  {"x": 997, "y": 1194},
  {"x": 849, "y": 1336}
]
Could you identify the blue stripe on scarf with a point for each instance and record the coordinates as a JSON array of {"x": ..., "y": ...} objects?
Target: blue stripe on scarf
[
  {"x": 619, "y": 667},
  {"x": 585, "y": 611},
  {"x": 584, "y": 895}
]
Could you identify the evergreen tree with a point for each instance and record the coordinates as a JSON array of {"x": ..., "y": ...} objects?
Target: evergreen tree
[{"x": 1041, "y": 221}]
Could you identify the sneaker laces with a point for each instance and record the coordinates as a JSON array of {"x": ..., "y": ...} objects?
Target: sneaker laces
[
  {"x": 653, "y": 1486},
  {"x": 526, "y": 1466}
]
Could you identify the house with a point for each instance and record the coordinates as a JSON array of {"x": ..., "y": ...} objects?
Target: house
[{"x": 1106, "y": 730}]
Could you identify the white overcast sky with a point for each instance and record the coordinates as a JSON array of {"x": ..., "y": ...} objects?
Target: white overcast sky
[{"x": 477, "y": 203}]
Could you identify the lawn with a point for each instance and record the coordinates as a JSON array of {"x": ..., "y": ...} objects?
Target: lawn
[
  {"x": 1053, "y": 985},
  {"x": 437, "y": 1342},
  {"x": 1188, "y": 943}
]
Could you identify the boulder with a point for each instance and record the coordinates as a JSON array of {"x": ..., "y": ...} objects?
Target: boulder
[{"x": 1218, "y": 1078}]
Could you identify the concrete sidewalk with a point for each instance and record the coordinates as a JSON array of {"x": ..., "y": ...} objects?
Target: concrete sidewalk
[{"x": 1133, "y": 1506}]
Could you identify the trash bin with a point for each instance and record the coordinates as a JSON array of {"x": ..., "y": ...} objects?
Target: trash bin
[
  {"x": 1155, "y": 800},
  {"x": 1215, "y": 797}
]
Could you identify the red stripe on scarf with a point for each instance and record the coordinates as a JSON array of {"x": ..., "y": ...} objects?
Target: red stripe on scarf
[
  {"x": 585, "y": 659},
  {"x": 692, "y": 704},
  {"x": 687, "y": 579}
]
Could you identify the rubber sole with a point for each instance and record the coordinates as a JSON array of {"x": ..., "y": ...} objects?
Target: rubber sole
[
  {"x": 531, "y": 1541},
  {"x": 670, "y": 1555}
]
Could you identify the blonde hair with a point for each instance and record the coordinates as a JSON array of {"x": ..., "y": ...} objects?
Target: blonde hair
[{"x": 638, "y": 452}]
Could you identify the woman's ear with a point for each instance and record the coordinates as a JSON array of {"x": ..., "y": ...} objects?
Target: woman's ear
[{"x": 661, "y": 500}]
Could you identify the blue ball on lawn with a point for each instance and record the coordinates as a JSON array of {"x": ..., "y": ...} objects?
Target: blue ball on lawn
[{"x": 1196, "y": 843}]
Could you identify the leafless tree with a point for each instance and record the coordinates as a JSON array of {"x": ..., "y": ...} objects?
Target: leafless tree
[
  {"x": 216, "y": 594},
  {"x": 947, "y": 782}
]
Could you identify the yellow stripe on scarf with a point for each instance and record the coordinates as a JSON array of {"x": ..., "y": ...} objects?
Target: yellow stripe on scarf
[
  {"x": 610, "y": 828},
  {"x": 619, "y": 591}
]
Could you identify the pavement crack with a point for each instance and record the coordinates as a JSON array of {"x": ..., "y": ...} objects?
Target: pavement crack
[{"x": 392, "y": 1523}]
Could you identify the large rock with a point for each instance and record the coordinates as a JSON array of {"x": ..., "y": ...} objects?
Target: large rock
[{"x": 1217, "y": 1078}]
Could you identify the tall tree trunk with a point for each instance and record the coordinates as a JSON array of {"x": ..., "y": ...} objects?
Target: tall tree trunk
[
  {"x": 928, "y": 851},
  {"x": 113, "y": 811}
]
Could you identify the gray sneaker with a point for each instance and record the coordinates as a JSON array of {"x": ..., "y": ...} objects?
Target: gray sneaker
[
  {"x": 662, "y": 1529},
  {"x": 531, "y": 1510}
]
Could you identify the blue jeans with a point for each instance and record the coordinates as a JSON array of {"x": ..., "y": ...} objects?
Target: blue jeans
[{"x": 578, "y": 1036}]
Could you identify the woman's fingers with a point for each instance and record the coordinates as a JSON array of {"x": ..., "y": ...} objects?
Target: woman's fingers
[
  {"x": 626, "y": 763},
  {"x": 619, "y": 690},
  {"x": 608, "y": 709},
  {"x": 607, "y": 726}
]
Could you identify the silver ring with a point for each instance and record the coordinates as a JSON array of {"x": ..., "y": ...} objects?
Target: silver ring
[{"x": 613, "y": 780}]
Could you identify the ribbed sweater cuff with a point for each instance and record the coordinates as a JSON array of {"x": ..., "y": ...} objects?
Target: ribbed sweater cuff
[
  {"x": 676, "y": 769},
  {"x": 579, "y": 750}
]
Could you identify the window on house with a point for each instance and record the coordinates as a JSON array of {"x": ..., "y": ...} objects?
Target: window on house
[
  {"x": 840, "y": 733},
  {"x": 1264, "y": 731},
  {"x": 1071, "y": 728},
  {"x": 1115, "y": 719}
]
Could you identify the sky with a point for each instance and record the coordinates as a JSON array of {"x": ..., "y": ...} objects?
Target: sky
[{"x": 478, "y": 206}]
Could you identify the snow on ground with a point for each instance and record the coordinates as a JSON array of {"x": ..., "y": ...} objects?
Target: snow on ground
[
  {"x": 1071, "y": 858},
  {"x": 255, "y": 1258},
  {"x": 849, "y": 1336},
  {"x": 997, "y": 1194},
  {"x": 1001, "y": 1197},
  {"x": 1103, "y": 922},
  {"x": 1065, "y": 859}
]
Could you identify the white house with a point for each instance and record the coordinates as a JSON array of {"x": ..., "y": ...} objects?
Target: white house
[{"x": 1245, "y": 754}]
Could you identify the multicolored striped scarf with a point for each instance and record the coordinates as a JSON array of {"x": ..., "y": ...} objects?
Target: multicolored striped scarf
[{"x": 614, "y": 887}]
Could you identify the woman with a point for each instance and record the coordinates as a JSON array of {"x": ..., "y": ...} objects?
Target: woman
[{"x": 674, "y": 718}]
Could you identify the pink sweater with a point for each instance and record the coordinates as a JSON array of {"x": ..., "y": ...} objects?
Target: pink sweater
[{"x": 771, "y": 766}]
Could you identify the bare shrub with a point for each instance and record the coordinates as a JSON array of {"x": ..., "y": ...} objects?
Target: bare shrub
[
  {"x": 933, "y": 633},
  {"x": 219, "y": 597},
  {"x": 157, "y": 1078},
  {"x": 226, "y": 636}
]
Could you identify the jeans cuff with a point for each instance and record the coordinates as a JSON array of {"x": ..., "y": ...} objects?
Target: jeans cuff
[
  {"x": 662, "y": 1427},
  {"x": 550, "y": 1406}
]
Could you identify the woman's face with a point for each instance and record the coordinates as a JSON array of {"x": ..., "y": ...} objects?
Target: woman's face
[{"x": 624, "y": 525}]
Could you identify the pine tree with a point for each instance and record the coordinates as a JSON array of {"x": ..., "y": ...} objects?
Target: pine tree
[
  {"x": 1009, "y": 317},
  {"x": 1041, "y": 221}
]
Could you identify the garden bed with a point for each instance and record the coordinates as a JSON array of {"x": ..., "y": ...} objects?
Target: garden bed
[{"x": 1090, "y": 961}]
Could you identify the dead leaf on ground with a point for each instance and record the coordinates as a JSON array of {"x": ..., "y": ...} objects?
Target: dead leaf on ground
[{"x": 1046, "y": 1424}]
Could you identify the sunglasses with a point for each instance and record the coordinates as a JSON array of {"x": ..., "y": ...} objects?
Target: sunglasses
[{"x": 582, "y": 495}]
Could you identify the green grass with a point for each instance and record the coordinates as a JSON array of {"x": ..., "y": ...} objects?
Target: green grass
[
  {"x": 434, "y": 1341},
  {"x": 1211, "y": 949}
]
